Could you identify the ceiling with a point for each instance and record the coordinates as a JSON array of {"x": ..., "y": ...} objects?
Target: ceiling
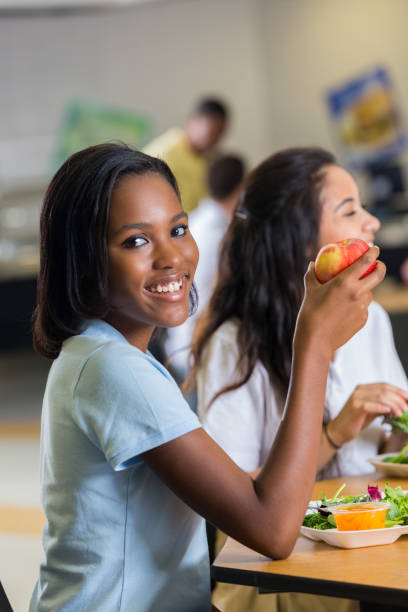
[{"x": 31, "y": 6}]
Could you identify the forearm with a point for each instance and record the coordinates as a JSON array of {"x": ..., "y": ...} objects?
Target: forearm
[
  {"x": 290, "y": 470},
  {"x": 326, "y": 452},
  {"x": 266, "y": 513}
]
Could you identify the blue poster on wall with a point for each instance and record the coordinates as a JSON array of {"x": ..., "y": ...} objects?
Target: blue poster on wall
[{"x": 366, "y": 118}]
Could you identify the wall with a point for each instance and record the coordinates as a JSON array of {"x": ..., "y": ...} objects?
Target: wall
[
  {"x": 155, "y": 58},
  {"x": 272, "y": 59},
  {"x": 314, "y": 45}
]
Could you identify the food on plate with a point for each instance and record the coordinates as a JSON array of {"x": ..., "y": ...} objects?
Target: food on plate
[
  {"x": 321, "y": 515},
  {"x": 398, "y": 423},
  {"x": 355, "y": 516},
  {"x": 401, "y": 457},
  {"x": 335, "y": 256}
]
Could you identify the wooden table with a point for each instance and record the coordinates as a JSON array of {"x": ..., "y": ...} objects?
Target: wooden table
[{"x": 377, "y": 576}]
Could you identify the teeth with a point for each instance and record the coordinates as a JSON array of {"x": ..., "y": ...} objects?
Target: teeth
[{"x": 170, "y": 288}]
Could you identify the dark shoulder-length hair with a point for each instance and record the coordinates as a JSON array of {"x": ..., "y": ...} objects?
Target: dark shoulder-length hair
[
  {"x": 264, "y": 257},
  {"x": 73, "y": 277}
]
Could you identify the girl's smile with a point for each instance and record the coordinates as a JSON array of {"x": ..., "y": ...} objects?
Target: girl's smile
[
  {"x": 152, "y": 258},
  {"x": 170, "y": 289}
]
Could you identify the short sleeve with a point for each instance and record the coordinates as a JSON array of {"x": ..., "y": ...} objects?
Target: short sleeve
[{"x": 127, "y": 404}]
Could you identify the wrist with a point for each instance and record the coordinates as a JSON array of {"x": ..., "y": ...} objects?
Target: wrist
[
  {"x": 332, "y": 440},
  {"x": 304, "y": 342}
]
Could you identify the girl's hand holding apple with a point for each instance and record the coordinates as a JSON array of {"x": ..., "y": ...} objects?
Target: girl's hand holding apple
[
  {"x": 334, "y": 257},
  {"x": 333, "y": 312}
]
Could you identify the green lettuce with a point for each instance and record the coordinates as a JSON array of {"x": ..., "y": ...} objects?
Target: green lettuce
[
  {"x": 400, "y": 423},
  {"x": 402, "y": 457},
  {"x": 321, "y": 518},
  {"x": 316, "y": 520},
  {"x": 398, "y": 513}
]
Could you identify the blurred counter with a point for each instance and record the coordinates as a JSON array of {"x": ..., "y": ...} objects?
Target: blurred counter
[
  {"x": 19, "y": 231},
  {"x": 392, "y": 296},
  {"x": 19, "y": 262}
]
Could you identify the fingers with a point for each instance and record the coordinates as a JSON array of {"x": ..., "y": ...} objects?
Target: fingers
[
  {"x": 356, "y": 269},
  {"x": 401, "y": 392},
  {"x": 379, "y": 408},
  {"x": 393, "y": 400},
  {"x": 375, "y": 408},
  {"x": 342, "y": 302},
  {"x": 310, "y": 276},
  {"x": 393, "y": 389},
  {"x": 353, "y": 273},
  {"x": 374, "y": 278},
  {"x": 360, "y": 266}
]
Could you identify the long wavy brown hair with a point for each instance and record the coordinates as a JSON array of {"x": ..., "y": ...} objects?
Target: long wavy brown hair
[{"x": 263, "y": 259}]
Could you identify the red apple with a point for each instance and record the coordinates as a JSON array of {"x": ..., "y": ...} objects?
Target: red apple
[{"x": 334, "y": 257}]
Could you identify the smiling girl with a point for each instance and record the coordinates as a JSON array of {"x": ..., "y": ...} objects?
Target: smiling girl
[
  {"x": 126, "y": 468},
  {"x": 295, "y": 202}
]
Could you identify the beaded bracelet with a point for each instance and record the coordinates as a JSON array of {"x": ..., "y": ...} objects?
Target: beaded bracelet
[{"x": 330, "y": 441}]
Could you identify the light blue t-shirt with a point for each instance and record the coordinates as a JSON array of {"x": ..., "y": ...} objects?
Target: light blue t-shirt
[{"x": 116, "y": 538}]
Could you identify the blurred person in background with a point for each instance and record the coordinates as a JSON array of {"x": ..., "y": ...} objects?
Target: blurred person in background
[
  {"x": 208, "y": 224},
  {"x": 188, "y": 150}
]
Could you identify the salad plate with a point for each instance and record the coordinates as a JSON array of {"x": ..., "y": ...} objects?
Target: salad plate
[
  {"x": 322, "y": 526},
  {"x": 356, "y": 539},
  {"x": 398, "y": 470}
]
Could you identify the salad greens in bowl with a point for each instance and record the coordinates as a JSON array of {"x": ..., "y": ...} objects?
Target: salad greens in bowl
[
  {"x": 320, "y": 517},
  {"x": 398, "y": 423},
  {"x": 392, "y": 464},
  {"x": 401, "y": 457}
]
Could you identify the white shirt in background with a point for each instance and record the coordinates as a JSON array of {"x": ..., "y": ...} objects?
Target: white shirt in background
[{"x": 245, "y": 421}]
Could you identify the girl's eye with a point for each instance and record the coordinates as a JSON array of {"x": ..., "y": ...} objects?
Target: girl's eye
[
  {"x": 180, "y": 230},
  {"x": 350, "y": 214},
  {"x": 134, "y": 242}
]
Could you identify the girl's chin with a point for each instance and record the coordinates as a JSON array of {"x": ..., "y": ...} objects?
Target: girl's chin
[
  {"x": 175, "y": 318},
  {"x": 177, "y": 321}
]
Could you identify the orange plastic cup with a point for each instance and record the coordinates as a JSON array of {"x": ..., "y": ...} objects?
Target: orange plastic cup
[{"x": 357, "y": 516}]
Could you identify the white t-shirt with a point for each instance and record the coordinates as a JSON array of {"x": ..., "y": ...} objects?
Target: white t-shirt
[
  {"x": 116, "y": 537},
  {"x": 245, "y": 421},
  {"x": 208, "y": 224}
]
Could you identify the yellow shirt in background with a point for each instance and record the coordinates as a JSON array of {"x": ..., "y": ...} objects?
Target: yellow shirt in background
[{"x": 189, "y": 168}]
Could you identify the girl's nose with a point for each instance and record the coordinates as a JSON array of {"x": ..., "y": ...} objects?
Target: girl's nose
[
  {"x": 371, "y": 222},
  {"x": 167, "y": 255}
]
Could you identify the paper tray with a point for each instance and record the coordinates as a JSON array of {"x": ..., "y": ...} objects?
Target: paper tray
[{"x": 356, "y": 539}]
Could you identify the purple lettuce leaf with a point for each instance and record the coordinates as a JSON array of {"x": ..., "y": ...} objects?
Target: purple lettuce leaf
[{"x": 374, "y": 493}]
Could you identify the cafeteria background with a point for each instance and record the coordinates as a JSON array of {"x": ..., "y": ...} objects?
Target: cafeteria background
[{"x": 272, "y": 61}]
